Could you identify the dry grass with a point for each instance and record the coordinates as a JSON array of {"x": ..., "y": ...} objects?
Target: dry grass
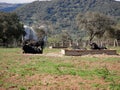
[{"x": 53, "y": 71}]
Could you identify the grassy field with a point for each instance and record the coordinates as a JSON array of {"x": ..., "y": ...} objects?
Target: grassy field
[{"x": 54, "y": 71}]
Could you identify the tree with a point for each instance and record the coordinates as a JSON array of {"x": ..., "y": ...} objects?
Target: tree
[
  {"x": 10, "y": 27},
  {"x": 41, "y": 32},
  {"x": 117, "y": 31},
  {"x": 65, "y": 36},
  {"x": 95, "y": 24}
]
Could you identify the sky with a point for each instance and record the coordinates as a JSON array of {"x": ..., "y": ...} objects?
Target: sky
[
  {"x": 24, "y": 1},
  {"x": 20, "y": 1}
]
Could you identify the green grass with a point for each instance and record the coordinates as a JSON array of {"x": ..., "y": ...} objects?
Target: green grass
[
  {"x": 13, "y": 62},
  {"x": 116, "y": 48}
]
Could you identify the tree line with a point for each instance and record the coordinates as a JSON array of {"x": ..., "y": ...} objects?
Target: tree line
[
  {"x": 96, "y": 25},
  {"x": 93, "y": 26},
  {"x": 11, "y": 30}
]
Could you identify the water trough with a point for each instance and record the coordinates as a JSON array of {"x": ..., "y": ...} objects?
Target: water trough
[{"x": 78, "y": 52}]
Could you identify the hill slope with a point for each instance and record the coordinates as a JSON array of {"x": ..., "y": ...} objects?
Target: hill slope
[
  {"x": 6, "y": 7},
  {"x": 61, "y": 13}
]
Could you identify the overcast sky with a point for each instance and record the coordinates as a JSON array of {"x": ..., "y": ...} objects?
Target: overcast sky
[
  {"x": 23, "y": 1},
  {"x": 20, "y": 1}
]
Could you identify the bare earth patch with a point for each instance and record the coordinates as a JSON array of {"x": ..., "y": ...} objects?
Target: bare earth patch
[
  {"x": 55, "y": 82},
  {"x": 42, "y": 81}
]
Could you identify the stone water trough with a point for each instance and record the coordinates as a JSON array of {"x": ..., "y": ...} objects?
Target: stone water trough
[
  {"x": 58, "y": 47},
  {"x": 77, "y": 52}
]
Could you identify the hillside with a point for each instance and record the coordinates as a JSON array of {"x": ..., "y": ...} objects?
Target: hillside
[
  {"x": 61, "y": 14},
  {"x": 6, "y": 7}
]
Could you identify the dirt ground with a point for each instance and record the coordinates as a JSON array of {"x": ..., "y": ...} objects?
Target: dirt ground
[
  {"x": 55, "y": 82},
  {"x": 64, "y": 82}
]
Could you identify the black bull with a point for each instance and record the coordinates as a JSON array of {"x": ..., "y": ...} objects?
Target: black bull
[
  {"x": 33, "y": 48},
  {"x": 94, "y": 46}
]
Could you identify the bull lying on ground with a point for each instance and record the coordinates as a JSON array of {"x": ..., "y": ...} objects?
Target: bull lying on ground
[
  {"x": 94, "y": 46},
  {"x": 33, "y": 48}
]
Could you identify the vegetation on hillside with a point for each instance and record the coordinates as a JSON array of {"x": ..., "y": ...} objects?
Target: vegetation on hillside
[
  {"x": 60, "y": 15},
  {"x": 66, "y": 10}
]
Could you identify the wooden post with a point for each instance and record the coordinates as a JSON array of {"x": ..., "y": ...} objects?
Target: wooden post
[{"x": 115, "y": 43}]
